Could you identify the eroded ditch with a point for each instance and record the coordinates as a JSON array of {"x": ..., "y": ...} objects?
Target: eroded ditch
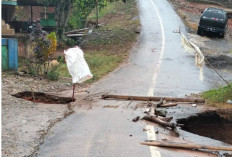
[
  {"x": 40, "y": 97},
  {"x": 212, "y": 124}
]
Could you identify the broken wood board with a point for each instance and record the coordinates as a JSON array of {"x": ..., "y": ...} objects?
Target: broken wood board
[
  {"x": 185, "y": 145},
  {"x": 168, "y": 105},
  {"x": 159, "y": 121},
  {"x": 144, "y": 98}
]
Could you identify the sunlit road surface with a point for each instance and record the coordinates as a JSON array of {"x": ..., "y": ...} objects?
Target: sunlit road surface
[{"x": 158, "y": 67}]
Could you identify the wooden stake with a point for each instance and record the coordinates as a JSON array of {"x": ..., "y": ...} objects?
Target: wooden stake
[
  {"x": 143, "y": 98},
  {"x": 73, "y": 92},
  {"x": 185, "y": 145},
  {"x": 33, "y": 95}
]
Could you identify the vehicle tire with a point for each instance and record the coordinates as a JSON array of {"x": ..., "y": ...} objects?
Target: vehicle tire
[
  {"x": 199, "y": 32},
  {"x": 221, "y": 35}
]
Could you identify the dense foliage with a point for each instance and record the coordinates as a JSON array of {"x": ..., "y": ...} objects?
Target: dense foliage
[{"x": 81, "y": 9}]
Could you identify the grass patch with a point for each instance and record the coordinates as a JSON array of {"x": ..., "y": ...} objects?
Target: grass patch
[
  {"x": 101, "y": 63},
  {"x": 62, "y": 70},
  {"x": 217, "y": 97}
]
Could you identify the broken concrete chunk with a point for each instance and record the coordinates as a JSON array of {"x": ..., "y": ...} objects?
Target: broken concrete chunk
[
  {"x": 194, "y": 105},
  {"x": 161, "y": 112},
  {"x": 136, "y": 119}
]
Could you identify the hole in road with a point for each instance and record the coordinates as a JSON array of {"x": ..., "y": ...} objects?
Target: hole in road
[
  {"x": 220, "y": 62},
  {"x": 43, "y": 98},
  {"x": 208, "y": 124}
]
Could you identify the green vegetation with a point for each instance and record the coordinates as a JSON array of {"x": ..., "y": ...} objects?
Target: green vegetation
[
  {"x": 53, "y": 75},
  {"x": 110, "y": 9},
  {"x": 82, "y": 9},
  {"x": 220, "y": 95},
  {"x": 101, "y": 63},
  {"x": 105, "y": 48}
]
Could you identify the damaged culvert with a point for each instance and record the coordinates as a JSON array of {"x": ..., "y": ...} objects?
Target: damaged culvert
[
  {"x": 220, "y": 62},
  {"x": 42, "y": 98},
  {"x": 209, "y": 124}
]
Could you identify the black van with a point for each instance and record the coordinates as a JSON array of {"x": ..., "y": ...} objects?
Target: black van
[{"x": 213, "y": 20}]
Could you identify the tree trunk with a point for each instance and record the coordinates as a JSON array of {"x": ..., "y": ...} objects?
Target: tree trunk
[{"x": 63, "y": 10}]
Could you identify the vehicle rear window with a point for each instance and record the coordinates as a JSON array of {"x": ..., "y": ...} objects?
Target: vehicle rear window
[{"x": 211, "y": 15}]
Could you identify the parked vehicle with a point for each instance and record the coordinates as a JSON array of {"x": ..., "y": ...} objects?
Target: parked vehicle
[{"x": 213, "y": 20}]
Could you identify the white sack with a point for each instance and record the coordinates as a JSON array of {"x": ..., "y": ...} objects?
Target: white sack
[{"x": 77, "y": 66}]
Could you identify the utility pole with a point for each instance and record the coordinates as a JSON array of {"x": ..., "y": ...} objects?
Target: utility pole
[{"x": 97, "y": 13}]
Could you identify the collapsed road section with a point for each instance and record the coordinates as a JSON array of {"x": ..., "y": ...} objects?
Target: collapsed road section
[{"x": 208, "y": 124}]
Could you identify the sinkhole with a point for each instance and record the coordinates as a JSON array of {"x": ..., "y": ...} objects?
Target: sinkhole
[
  {"x": 209, "y": 124},
  {"x": 40, "y": 97}
]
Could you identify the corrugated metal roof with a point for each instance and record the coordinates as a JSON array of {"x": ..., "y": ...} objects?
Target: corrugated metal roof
[{"x": 9, "y": 3}]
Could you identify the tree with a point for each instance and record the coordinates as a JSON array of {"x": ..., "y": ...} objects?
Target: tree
[{"x": 62, "y": 11}]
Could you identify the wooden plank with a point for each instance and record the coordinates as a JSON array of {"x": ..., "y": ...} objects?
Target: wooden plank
[
  {"x": 185, "y": 145},
  {"x": 144, "y": 98},
  {"x": 76, "y": 31},
  {"x": 74, "y": 35},
  {"x": 168, "y": 105}
]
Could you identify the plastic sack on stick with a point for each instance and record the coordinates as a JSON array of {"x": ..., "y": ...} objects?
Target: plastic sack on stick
[{"x": 77, "y": 66}]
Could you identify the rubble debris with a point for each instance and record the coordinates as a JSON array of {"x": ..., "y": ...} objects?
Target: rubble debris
[
  {"x": 147, "y": 111},
  {"x": 185, "y": 145},
  {"x": 194, "y": 105},
  {"x": 168, "y": 119},
  {"x": 160, "y": 102},
  {"x": 144, "y": 98},
  {"x": 160, "y": 112},
  {"x": 159, "y": 121},
  {"x": 144, "y": 129},
  {"x": 136, "y": 119}
]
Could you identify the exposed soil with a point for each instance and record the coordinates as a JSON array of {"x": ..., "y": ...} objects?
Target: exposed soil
[
  {"x": 42, "y": 98},
  {"x": 210, "y": 124},
  {"x": 220, "y": 62}
]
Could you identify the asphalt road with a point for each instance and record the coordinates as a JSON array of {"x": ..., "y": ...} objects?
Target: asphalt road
[{"x": 158, "y": 66}]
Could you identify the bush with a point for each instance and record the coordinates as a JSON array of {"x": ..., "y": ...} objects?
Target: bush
[
  {"x": 61, "y": 59},
  {"x": 52, "y": 75}
]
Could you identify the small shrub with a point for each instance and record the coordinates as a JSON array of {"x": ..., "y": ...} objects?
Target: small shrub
[
  {"x": 69, "y": 42},
  {"x": 52, "y": 75},
  {"x": 61, "y": 59}
]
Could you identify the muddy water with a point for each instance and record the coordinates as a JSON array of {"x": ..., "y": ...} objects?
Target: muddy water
[
  {"x": 42, "y": 98},
  {"x": 209, "y": 124}
]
